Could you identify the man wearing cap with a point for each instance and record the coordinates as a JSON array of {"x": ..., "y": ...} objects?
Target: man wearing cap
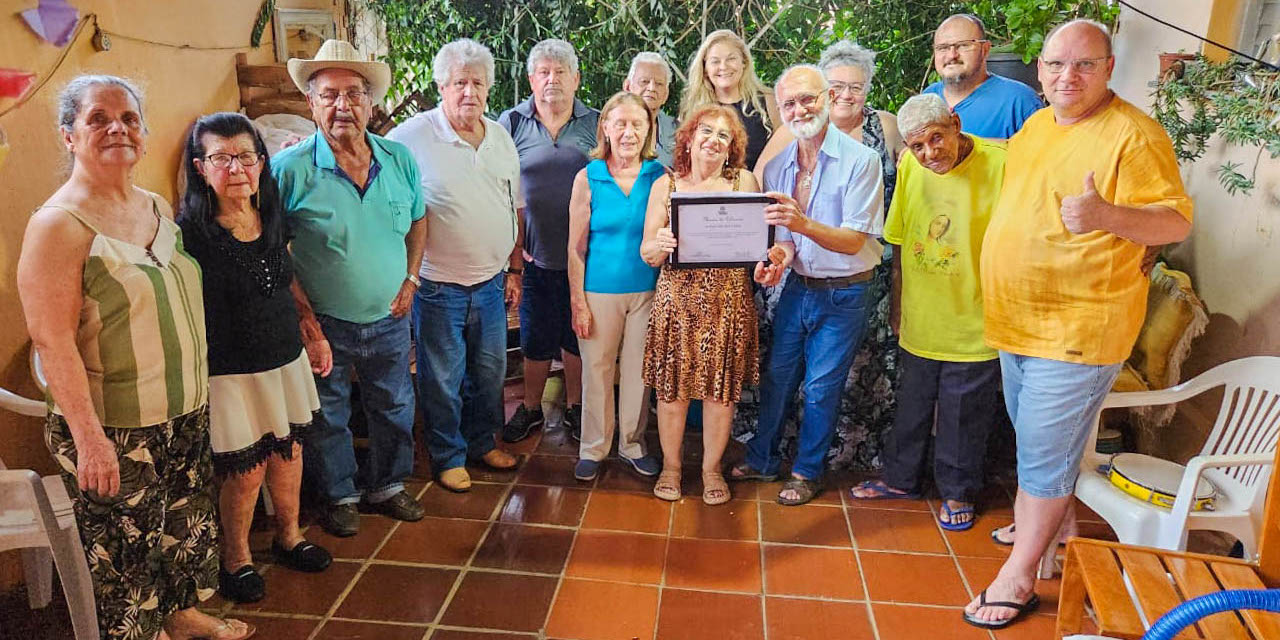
[{"x": 354, "y": 207}]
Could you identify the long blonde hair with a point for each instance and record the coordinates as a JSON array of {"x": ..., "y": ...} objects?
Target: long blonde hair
[{"x": 699, "y": 92}]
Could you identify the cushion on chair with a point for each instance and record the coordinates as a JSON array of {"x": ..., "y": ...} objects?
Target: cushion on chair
[{"x": 1129, "y": 380}]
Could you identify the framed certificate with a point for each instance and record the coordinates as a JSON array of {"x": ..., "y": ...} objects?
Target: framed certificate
[{"x": 720, "y": 229}]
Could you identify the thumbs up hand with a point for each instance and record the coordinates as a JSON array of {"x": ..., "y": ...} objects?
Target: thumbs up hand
[{"x": 1085, "y": 212}]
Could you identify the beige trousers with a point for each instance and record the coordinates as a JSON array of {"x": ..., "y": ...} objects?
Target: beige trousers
[{"x": 619, "y": 322}]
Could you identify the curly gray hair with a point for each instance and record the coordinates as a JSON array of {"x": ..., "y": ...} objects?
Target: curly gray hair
[
  {"x": 847, "y": 53},
  {"x": 921, "y": 111},
  {"x": 462, "y": 53},
  {"x": 555, "y": 49}
]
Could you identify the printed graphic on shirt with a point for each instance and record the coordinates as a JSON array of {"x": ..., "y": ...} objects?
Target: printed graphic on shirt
[{"x": 933, "y": 248}]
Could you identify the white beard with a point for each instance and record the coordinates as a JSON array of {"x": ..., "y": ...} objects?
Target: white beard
[{"x": 812, "y": 127}]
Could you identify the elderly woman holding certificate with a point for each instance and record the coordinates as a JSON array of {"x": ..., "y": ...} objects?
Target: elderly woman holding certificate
[{"x": 702, "y": 338}]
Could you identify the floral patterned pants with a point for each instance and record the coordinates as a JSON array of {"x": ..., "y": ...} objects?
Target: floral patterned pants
[{"x": 152, "y": 547}]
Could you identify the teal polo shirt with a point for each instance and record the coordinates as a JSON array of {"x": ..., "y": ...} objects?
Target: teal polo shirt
[{"x": 348, "y": 245}]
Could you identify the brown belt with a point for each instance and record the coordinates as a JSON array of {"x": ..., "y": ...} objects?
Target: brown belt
[{"x": 834, "y": 283}]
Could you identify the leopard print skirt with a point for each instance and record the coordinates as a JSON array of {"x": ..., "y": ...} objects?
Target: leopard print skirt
[{"x": 702, "y": 341}]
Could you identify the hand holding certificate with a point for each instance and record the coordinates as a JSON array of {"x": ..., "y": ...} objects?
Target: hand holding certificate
[{"x": 720, "y": 229}]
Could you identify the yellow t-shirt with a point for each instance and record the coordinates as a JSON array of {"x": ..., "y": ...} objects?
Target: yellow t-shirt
[
  {"x": 939, "y": 221},
  {"x": 1049, "y": 293}
]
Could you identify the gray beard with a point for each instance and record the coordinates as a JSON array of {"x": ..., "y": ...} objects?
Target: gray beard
[
  {"x": 813, "y": 127},
  {"x": 960, "y": 81}
]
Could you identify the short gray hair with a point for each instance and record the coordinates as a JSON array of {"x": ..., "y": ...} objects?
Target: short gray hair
[
  {"x": 1102, "y": 29},
  {"x": 921, "y": 111},
  {"x": 462, "y": 53},
  {"x": 798, "y": 67},
  {"x": 555, "y": 49},
  {"x": 71, "y": 100},
  {"x": 649, "y": 57},
  {"x": 847, "y": 53}
]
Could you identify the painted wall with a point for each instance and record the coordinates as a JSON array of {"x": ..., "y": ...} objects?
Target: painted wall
[
  {"x": 1232, "y": 252},
  {"x": 180, "y": 84}
]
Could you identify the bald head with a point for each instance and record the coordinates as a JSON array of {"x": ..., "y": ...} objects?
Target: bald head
[
  {"x": 1081, "y": 28},
  {"x": 804, "y": 74},
  {"x": 971, "y": 23}
]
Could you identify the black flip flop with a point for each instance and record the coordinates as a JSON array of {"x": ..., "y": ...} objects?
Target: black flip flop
[{"x": 1023, "y": 609}]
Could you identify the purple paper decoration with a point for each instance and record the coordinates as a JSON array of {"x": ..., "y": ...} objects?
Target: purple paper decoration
[{"x": 53, "y": 20}]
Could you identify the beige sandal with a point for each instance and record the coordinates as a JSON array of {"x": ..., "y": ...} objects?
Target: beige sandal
[
  {"x": 668, "y": 485},
  {"x": 713, "y": 483}
]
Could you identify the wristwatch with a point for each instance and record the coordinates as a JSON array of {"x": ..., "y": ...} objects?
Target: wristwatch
[{"x": 414, "y": 279}]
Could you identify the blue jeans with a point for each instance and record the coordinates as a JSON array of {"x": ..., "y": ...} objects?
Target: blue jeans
[
  {"x": 462, "y": 359},
  {"x": 816, "y": 333},
  {"x": 1053, "y": 405},
  {"x": 377, "y": 352}
]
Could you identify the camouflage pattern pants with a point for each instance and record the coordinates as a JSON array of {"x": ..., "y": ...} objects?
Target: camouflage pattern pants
[{"x": 153, "y": 547}]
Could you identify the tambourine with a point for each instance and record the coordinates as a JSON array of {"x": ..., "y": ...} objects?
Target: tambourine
[{"x": 1156, "y": 481}]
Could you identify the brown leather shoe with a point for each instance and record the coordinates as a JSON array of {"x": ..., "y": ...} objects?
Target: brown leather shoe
[
  {"x": 456, "y": 479},
  {"x": 499, "y": 459}
]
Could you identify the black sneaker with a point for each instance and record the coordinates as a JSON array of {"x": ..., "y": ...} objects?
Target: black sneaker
[
  {"x": 341, "y": 520},
  {"x": 243, "y": 585},
  {"x": 401, "y": 506},
  {"x": 573, "y": 422},
  {"x": 522, "y": 423}
]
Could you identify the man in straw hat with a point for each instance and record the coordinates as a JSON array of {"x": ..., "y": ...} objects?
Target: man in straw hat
[{"x": 353, "y": 204}]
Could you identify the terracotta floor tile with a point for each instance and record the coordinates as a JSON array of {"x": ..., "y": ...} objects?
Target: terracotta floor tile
[
  {"x": 768, "y": 491},
  {"x": 980, "y": 572},
  {"x": 348, "y": 630},
  {"x": 524, "y": 548},
  {"x": 1034, "y": 627},
  {"x": 617, "y": 557},
  {"x": 372, "y": 531},
  {"x": 698, "y": 615},
  {"x": 617, "y": 475},
  {"x": 434, "y": 541},
  {"x": 717, "y": 565},
  {"x": 882, "y": 529},
  {"x": 735, "y": 520},
  {"x": 306, "y": 593},
  {"x": 400, "y": 594},
  {"x": 476, "y": 504},
  {"x": 500, "y": 601},
  {"x": 544, "y": 505},
  {"x": 793, "y": 619},
  {"x": 808, "y": 524},
  {"x": 977, "y": 542},
  {"x": 556, "y": 442},
  {"x": 904, "y": 622},
  {"x": 555, "y": 471},
  {"x": 633, "y": 611},
  {"x": 913, "y": 579},
  {"x": 459, "y": 634},
  {"x": 627, "y": 512},
  {"x": 483, "y": 473},
  {"x": 280, "y": 627},
  {"x": 790, "y": 570}
]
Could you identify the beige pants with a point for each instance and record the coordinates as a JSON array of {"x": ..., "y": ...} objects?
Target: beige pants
[{"x": 619, "y": 324}]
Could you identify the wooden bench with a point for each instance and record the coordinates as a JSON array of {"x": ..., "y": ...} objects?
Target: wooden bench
[{"x": 1130, "y": 587}]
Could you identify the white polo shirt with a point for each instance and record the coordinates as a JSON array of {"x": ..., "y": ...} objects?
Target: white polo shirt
[{"x": 472, "y": 196}]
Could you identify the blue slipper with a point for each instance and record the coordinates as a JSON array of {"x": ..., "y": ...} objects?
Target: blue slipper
[
  {"x": 951, "y": 515},
  {"x": 881, "y": 491}
]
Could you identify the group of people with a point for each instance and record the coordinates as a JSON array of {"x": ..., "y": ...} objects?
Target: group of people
[{"x": 225, "y": 343}]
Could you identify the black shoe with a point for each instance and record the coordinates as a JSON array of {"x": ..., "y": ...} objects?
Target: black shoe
[
  {"x": 401, "y": 506},
  {"x": 304, "y": 556},
  {"x": 573, "y": 422},
  {"x": 521, "y": 424},
  {"x": 244, "y": 585},
  {"x": 341, "y": 520}
]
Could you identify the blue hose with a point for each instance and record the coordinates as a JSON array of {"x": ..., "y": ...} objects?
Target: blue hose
[{"x": 1189, "y": 612}]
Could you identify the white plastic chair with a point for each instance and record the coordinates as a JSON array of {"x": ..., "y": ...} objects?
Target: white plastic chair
[
  {"x": 1236, "y": 458},
  {"x": 36, "y": 517}
]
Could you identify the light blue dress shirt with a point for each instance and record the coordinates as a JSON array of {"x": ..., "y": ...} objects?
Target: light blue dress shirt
[{"x": 847, "y": 192}]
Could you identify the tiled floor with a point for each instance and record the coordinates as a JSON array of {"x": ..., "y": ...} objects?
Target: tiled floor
[{"x": 536, "y": 554}]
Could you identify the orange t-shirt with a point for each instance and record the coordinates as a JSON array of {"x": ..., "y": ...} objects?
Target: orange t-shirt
[{"x": 1052, "y": 294}]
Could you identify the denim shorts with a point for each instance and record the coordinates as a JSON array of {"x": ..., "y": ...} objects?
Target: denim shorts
[
  {"x": 546, "y": 319},
  {"x": 1053, "y": 405}
]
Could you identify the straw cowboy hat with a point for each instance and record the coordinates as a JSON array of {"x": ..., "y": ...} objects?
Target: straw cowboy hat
[{"x": 339, "y": 54}]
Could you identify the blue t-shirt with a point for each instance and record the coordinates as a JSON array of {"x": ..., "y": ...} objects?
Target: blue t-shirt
[
  {"x": 996, "y": 109},
  {"x": 614, "y": 264}
]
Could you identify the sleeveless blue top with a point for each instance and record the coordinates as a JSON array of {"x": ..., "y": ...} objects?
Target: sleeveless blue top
[{"x": 617, "y": 227}]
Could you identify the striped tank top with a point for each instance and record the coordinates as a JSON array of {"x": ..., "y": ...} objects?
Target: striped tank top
[{"x": 141, "y": 332}]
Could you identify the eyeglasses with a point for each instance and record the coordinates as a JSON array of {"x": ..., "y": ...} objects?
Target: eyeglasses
[
  {"x": 223, "y": 160},
  {"x": 805, "y": 100},
  {"x": 1084, "y": 66},
  {"x": 355, "y": 96},
  {"x": 854, "y": 88},
  {"x": 963, "y": 46}
]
